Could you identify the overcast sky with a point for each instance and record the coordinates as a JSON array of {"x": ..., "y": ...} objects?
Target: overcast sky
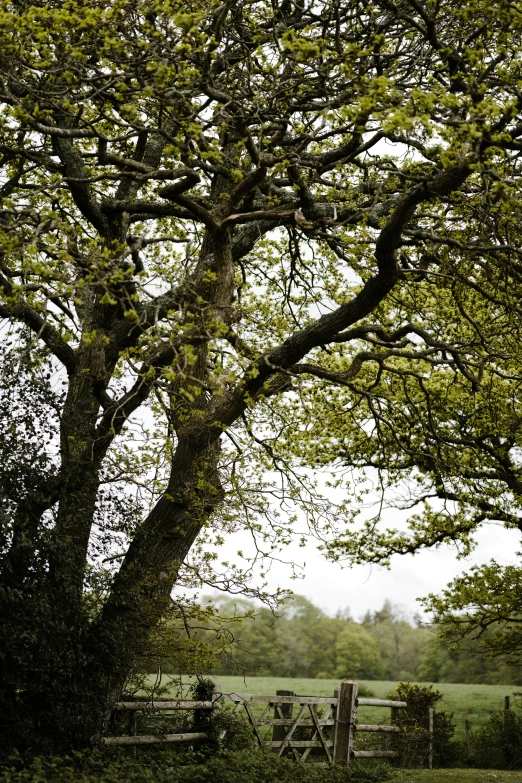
[{"x": 367, "y": 587}]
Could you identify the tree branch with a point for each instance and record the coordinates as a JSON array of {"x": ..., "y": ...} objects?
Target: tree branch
[{"x": 21, "y": 311}]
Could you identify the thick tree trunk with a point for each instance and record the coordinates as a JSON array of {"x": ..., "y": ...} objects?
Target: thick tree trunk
[
  {"x": 79, "y": 472},
  {"x": 141, "y": 591},
  {"x": 80, "y": 666}
]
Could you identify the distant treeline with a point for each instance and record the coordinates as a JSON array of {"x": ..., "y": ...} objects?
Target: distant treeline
[{"x": 300, "y": 640}]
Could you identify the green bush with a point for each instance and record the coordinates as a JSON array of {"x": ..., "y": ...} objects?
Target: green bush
[
  {"x": 413, "y": 742},
  {"x": 226, "y": 767},
  {"x": 229, "y": 733},
  {"x": 498, "y": 743}
]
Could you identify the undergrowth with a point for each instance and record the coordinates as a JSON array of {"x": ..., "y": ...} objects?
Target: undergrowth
[{"x": 185, "y": 767}]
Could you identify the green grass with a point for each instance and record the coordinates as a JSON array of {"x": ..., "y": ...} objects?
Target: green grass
[
  {"x": 457, "y": 776},
  {"x": 477, "y": 700}
]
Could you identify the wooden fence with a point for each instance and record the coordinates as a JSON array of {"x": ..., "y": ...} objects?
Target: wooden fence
[
  {"x": 322, "y": 726},
  {"x": 348, "y": 728},
  {"x": 165, "y": 706}
]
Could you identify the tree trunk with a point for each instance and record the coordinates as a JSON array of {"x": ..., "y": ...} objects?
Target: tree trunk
[
  {"x": 141, "y": 590},
  {"x": 64, "y": 700}
]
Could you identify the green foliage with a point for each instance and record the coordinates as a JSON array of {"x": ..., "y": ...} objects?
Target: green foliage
[
  {"x": 413, "y": 741},
  {"x": 300, "y": 640},
  {"x": 498, "y": 743},
  {"x": 202, "y": 689},
  {"x": 467, "y": 663},
  {"x": 252, "y": 238},
  {"x": 170, "y": 643},
  {"x": 419, "y": 698},
  {"x": 229, "y": 733},
  {"x": 357, "y": 654},
  {"x": 227, "y": 767}
]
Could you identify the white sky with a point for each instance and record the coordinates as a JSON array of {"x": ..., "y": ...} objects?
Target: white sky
[{"x": 361, "y": 588}]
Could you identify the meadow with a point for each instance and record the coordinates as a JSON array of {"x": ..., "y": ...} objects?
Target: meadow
[
  {"x": 479, "y": 701},
  {"x": 457, "y": 776}
]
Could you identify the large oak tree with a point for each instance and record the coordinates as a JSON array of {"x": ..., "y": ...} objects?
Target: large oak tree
[{"x": 226, "y": 214}]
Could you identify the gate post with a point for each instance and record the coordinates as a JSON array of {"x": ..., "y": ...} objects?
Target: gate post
[
  {"x": 430, "y": 745},
  {"x": 346, "y": 716},
  {"x": 216, "y": 703}
]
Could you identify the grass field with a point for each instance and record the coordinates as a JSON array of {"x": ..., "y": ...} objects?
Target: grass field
[
  {"x": 477, "y": 700},
  {"x": 457, "y": 776}
]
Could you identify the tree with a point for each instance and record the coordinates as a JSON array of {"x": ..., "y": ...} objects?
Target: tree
[
  {"x": 438, "y": 663},
  {"x": 398, "y": 642},
  {"x": 357, "y": 654},
  {"x": 483, "y": 609},
  {"x": 224, "y": 215}
]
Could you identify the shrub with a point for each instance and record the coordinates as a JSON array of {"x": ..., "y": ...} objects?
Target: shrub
[
  {"x": 413, "y": 742},
  {"x": 498, "y": 743},
  {"x": 229, "y": 733},
  {"x": 227, "y": 767}
]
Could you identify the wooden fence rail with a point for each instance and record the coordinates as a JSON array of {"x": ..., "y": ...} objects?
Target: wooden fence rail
[
  {"x": 165, "y": 706},
  {"x": 152, "y": 739},
  {"x": 322, "y": 725}
]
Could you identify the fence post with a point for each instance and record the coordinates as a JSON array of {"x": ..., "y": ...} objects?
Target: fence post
[
  {"x": 334, "y": 730},
  {"x": 430, "y": 729},
  {"x": 346, "y": 716},
  {"x": 506, "y": 702},
  {"x": 468, "y": 734},
  {"x": 286, "y": 710}
]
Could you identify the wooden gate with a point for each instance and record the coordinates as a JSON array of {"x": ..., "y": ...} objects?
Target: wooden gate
[
  {"x": 276, "y": 726},
  {"x": 324, "y": 727}
]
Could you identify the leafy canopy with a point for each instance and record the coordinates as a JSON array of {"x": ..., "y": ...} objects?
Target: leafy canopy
[{"x": 248, "y": 237}]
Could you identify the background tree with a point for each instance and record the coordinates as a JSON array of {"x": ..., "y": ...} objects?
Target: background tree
[
  {"x": 398, "y": 641},
  {"x": 237, "y": 636},
  {"x": 439, "y": 663},
  {"x": 227, "y": 215},
  {"x": 357, "y": 654}
]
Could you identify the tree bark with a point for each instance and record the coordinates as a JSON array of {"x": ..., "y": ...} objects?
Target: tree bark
[{"x": 140, "y": 594}]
